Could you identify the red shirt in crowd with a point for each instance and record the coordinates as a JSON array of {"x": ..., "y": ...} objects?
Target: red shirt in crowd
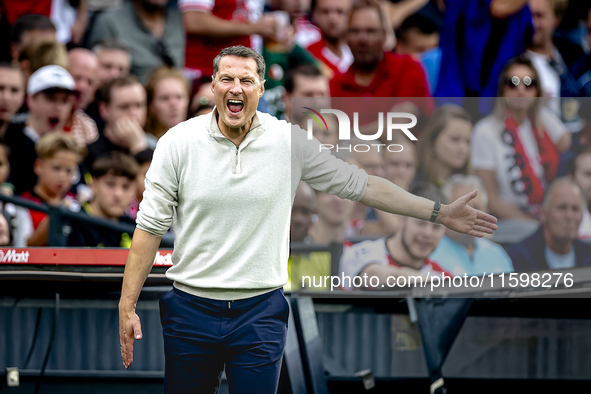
[
  {"x": 201, "y": 50},
  {"x": 16, "y": 9},
  {"x": 396, "y": 76}
]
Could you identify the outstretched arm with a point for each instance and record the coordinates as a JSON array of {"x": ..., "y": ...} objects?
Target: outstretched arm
[{"x": 386, "y": 196}]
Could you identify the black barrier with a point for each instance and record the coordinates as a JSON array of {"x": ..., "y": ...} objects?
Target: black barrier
[{"x": 60, "y": 218}]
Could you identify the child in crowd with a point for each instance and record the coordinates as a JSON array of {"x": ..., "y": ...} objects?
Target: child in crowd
[
  {"x": 114, "y": 187},
  {"x": 58, "y": 157}
]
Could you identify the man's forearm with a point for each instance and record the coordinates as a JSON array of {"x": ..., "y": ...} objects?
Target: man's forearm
[
  {"x": 139, "y": 264},
  {"x": 386, "y": 196}
]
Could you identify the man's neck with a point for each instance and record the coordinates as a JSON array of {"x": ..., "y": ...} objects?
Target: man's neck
[
  {"x": 323, "y": 232},
  {"x": 364, "y": 74},
  {"x": 557, "y": 246},
  {"x": 31, "y": 124},
  {"x": 399, "y": 253},
  {"x": 334, "y": 44},
  {"x": 236, "y": 135},
  {"x": 546, "y": 48}
]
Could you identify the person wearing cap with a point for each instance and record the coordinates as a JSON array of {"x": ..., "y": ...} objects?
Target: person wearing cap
[{"x": 48, "y": 98}]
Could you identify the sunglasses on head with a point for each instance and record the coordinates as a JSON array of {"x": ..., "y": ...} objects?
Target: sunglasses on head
[{"x": 515, "y": 81}]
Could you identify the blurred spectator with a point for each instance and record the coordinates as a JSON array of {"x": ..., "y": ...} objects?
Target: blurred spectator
[
  {"x": 49, "y": 100},
  {"x": 83, "y": 66},
  {"x": 71, "y": 22},
  {"x": 416, "y": 35},
  {"x": 375, "y": 222},
  {"x": 555, "y": 245},
  {"x": 152, "y": 31},
  {"x": 213, "y": 25},
  {"x": 580, "y": 72},
  {"x": 516, "y": 149},
  {"x": 314, "y": 264},
  {"x": 168, "y": 100},
  {"x": 332, "y": 50},
  {"x": 444, "y": 145},
  {"x": 581, "y": 173},
  {"x": 113, "y": 58},
  {"x": 58, "y": 158},
  {"x": 123, "y": 107},
  {"x": 114, "y": 62},
  {"x": 404, "y": 254},
  {"x": 543, "y": 53},
  {"x": 297, "y": 10},
  {"x": 143, "y": 159},
  {"x": 305, "y": 81},
  {"x": 12, "y": 94},
  {"x": 401, "y": 167},
  {"x": 41, "y": 53},
  {"x": 477, "y": 40},
  {"x": 334, "y": 219},
  {"x": 28, "y": 29},
  {"x": 375, "y": 72},
  {"x": 202, "y": 100},
  {"x": 462, "y": 253},
  {"x": 113, "y": 186}
]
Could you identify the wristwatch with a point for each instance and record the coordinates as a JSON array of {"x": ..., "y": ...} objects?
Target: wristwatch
[{"x": 435, "y": 212}]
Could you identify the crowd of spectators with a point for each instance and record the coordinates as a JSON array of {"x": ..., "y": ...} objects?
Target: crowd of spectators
[{"x": 88, "y": 87}]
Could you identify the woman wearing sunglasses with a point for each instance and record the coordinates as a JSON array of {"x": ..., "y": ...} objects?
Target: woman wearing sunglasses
[{"x": 517, "y": 148}]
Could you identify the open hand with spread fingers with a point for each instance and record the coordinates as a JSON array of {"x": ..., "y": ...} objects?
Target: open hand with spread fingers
[{"x": 461, "y": 217}]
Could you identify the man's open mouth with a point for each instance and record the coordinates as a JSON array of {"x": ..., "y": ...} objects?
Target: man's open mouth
[{"x": 235, "y": 106}]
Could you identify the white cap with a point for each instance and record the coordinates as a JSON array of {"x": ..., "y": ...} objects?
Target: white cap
[{"x": 50, "y": 77}]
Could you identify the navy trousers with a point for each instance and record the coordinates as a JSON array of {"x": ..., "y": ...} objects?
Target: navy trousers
[{"x": 202, "y": 335}]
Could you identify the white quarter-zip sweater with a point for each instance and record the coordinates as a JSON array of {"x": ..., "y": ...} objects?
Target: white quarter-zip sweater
[{"x": 232, "y": 204}]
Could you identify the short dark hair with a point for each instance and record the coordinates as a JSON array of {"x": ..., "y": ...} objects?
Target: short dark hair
[
  {"x": 105, "y": 91},
  {"x": 116, "y": 164},
  {"x": 241, "y": 51},
  {"x": 27, "y": 23},
  {"x": 305, "y": 70},
  {"x": 417, "y": 21}
]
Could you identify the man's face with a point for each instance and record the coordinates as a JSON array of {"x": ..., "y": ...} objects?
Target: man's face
[
  {"x": 315, "y": 89},
  {"x": 416, "y": 42},
  {"x": 126, "y": 101},
  {"x": 113, "y": 194},
  {"x": 83, "y": 66},
  {"x": 366, "y": 36},
  {"x": 301, "y": 215},
  {"x": 564, "y": 213},
  {"x": 56, "y": 174},
  {"x": 401, "y": 167},
  {"x": 170, "y": 102},
  {"x": 295, "y": 8},
  {"x": 334, "y": 210},
  {"x": 331, "y": 17},
  {"x": 420, "y": 237},
  {"x": 583, "y": 173},
  {"x": 371, "y": 161},
  {"x": 49, "y": 110},
  {"x": 237, "y": 90},
  {"x": 113, "y": 63},
  {"x": 12, "y": 92},
  {"x": 545, "y": 22}
]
